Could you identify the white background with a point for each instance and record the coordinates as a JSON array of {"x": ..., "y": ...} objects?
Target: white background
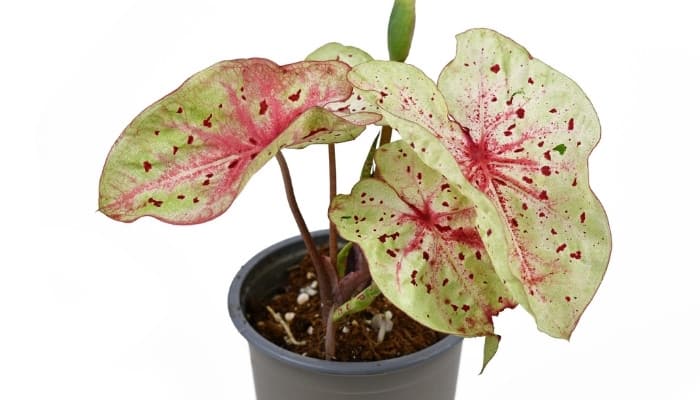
[{"x": 95, "y": 309}]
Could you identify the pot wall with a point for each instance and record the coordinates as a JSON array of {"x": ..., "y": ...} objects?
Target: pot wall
[{"x": 280, "y": 374}]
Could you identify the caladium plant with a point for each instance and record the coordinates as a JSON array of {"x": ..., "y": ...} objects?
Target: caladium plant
[{"x": 483, "y": 204}]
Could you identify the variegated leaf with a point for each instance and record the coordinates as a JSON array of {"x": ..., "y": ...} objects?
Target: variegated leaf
[
  {"x": 186, "y": 157},
  {"x": 520, "y": 133},
  {"x": 423, "y": 250}
]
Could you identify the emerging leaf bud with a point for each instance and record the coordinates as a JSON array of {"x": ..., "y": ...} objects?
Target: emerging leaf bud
[{"x": 401, "y": 25}]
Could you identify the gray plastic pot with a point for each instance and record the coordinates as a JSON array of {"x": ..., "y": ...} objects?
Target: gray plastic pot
[{"x": 283, "y": 375}]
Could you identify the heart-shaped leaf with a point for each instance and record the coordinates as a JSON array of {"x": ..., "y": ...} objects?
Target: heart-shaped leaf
[
  {"x": 424, "y": 252},
  {"x": 520, "y": 133},
  {"x": 186, "y": 157}
]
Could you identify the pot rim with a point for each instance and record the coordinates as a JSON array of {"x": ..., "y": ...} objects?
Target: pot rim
[{"x": 313, "y": 364}]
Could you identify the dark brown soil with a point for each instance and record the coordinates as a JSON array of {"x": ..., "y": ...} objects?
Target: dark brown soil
[{"x": 356, "y": 339}]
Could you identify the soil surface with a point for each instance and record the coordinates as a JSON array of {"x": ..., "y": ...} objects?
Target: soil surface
[{"x": 356, "y": 338}]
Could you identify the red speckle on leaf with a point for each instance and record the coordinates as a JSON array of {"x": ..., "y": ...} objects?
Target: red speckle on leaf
[
  {"x": 514, "y": 222},
  {"x": 527, "y": 179},
  {"x": 553, "y": 110},
  {"x": 445, "y": 282},
  {"x": 548, "y": 155},
  {"x": 454, "y": 306},
  {"x": 175, "y": 149},
  {"x": 495, "y": 68},
  {"x": 384, "y": 237},
  {"x": 221, "y": 105},
  {"x": 207, "y": 121},
  {"x": 419, "y": 176},
  {"x": 391, "y": 252},
  {"x": 465, "y": 307},
  {"x": 426, "y": 256},
  {"x": 571, "y": 124},
  {"x": 190, "y": 139},
  {"x": 543, "y": 195},
  {"x": 147, "y": 166},
  {"x": 541, "y": 214},
  {"x": 156, "y": 203},
  {"x": 576, "y": 255},
  {"x": 574, "y": 183},
  {"x": 445, "y": 204},
  {"x": 471, "y": 276},
  {"x": 494, "y": 99},
  {"x": 477, "y": 254},
  {"x": 209, "y": 175},
  {"x": 233, "y": 164},
  {"x": 206, "y": 182},
  {"x": 442, "y": 229},
  {"x": 444, "y": 186},
  {"x": 540, "y": 144},
  {"x": 561, "y": 247},
  {"x": 263, "y": 107},
  {"x": 295, "y": 96},
  {"x": 195, "y": 200},
  {"x": 460, "y": 256},
  {"x": 520, "y": 113},
  {"x": 428, "y": 287},
  {"x": 489, "y": 232},
  {"x": 181, "y": 197},
  {"x": 179, "y": 110},
  {"x": 413, "y": 277},
  {"x": 553, "y": 231},
  {"x": 546, "y": 170},
  {"x": 567, "y": 298},
  {"x": 582, "y": 217},
  {"x": 525, "y": 206},
  {"x": 530, "y": 81},
  {"x": 383, "y": 94},
  {"x": 156, "y": 133},
  {"x": 507, "y": 133}
]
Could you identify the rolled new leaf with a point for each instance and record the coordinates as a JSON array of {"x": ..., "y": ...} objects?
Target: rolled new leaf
[
  {"x": 513, "y": 135},
  {"x": 402, "y": 22},
  {"x": 424, "y": 252},
  {"x": 185, "y": 158}
]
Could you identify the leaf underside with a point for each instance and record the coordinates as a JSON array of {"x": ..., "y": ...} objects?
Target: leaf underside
[
  {"x": 423, "y": 250},
  {"x": 185, "y": 158},
  {"x": 513, "y": 135}
]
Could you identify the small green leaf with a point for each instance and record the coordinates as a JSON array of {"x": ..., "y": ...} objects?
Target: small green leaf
[
  {"x": 369, "y": 160},
  {"x": 342, "y": 262},
  {"x": 491, "y": 343},
  {"x": 339, "y": 52},
  {"x": 358, "y": 303},
  {"x": 560, "y": 149}
]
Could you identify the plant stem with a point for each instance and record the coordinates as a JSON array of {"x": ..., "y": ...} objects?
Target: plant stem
[
  {"x": 332, "y": 231},
  {"x": 386, "y": 135},
  {"x": 325, "y": 273},
  {"x": 330, "y": 336}
]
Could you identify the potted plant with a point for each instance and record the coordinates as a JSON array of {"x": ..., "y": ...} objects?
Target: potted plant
[{"x": 482, "y": 204}]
